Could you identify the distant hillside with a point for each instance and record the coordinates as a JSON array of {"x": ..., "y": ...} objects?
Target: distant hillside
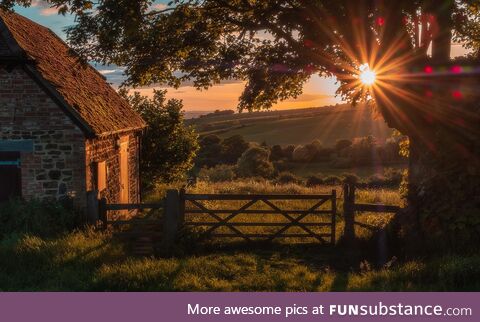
[{"x": 298, "y": 126}]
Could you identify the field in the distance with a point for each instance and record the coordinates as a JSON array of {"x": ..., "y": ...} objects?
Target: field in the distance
[{"x": 327, "y": 124}]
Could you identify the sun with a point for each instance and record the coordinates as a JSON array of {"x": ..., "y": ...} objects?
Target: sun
[{"x": 367, "y": 76}]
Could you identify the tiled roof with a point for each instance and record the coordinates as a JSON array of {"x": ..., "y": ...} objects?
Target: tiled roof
[{"x": 85, "y": 91}]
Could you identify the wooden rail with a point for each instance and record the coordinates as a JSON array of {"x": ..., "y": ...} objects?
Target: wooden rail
[
  {"x": 351, "y": 207},
  {"x": 223, "y": 217},
  {"x": 105, "y": 207}
]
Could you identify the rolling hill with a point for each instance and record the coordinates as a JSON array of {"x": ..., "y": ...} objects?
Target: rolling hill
[{"x": 298, "y": 126}]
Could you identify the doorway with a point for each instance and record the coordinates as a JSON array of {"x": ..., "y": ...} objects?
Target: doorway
[{"x": 124, "y": 177}]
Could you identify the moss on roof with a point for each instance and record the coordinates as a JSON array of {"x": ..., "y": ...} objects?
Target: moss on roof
[{"x": 81, "y": 86}]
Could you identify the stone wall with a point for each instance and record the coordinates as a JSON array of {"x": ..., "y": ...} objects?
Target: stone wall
[
  {"x": 56, "y": 167},
  {"x": 107, "y": 149}
]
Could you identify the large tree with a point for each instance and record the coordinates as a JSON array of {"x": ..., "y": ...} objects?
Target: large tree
[{"x": 276, "y": 46}]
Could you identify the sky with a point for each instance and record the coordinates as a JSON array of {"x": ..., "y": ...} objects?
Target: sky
[{"x": 317, "y": 91}]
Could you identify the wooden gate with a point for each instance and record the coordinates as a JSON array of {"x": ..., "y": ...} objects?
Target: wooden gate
[{"x": 198, "y": 211}]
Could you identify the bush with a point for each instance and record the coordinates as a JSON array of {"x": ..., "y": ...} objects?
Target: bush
[
  {"x": 40, "y": 218},
  {"x": 342, "y": 144},
  {"x": 332, "y": 180},
  {"x": 169, "y": 147},
  {"x": 276, "y": 153},
  {"x": 219, "y": 173},
  {"x": 282, "y": 166},
  {"x": 288, "y": 152},
  {"x": 391, "y": 178},
  {"x": 350, "y": 178},
  {"x": 287, "y": 177},
  {"x": 342, "y": 163},
  {"x": 255, "y": 162},
  {"x": 303, "y": 154},
  {"x": 314, "y": 180},
  {"x": 233, "y": 148},
  {"x": 376, "y": 181}
]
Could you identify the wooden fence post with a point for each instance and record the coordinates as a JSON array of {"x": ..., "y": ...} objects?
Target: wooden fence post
[
  {"x": 170, "y": 220},
  {"x": 349, "y": 213},
  {"x": 334, "y": 216}
]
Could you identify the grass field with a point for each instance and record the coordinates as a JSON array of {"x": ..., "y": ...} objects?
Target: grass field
[
  {"x": 94, "y": 261},
  {"x": 326, "y": 169},
  {"x": 89, "y": 260},
  {"x": 328, "y": 124}
]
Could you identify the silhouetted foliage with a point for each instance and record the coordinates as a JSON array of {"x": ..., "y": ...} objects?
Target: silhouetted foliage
[
  {"x": 255, "y": 163},
  {"x": 168, "y": 146}
]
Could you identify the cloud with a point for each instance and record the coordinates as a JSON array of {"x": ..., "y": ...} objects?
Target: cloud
[
  {"x": 159, "y": 6},
  {"x": 48, "y": 11},
  {"x": 107, "y": 71},
  {"x": 45, "y": 8}
]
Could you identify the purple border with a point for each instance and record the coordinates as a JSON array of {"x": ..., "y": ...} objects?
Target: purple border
[{"x": 172, "y": 307}]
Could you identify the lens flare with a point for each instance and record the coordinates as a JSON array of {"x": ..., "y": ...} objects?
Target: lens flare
[{"x": 367, "y": 76}]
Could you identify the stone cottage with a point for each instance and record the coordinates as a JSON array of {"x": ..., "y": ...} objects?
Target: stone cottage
[{"x": 64, "y": 131}]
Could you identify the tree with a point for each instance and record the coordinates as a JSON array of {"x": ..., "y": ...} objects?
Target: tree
[
  {"x": 276, "y": 153},
  {"x": 276, "y": 46},
  {"x": 255, "y": 163},
  {"x": 233, "y": 148},
  {"x": 342, "y": 144},
  {"x": 168, "y": 146},
  {"x": 210, "y": 151}
]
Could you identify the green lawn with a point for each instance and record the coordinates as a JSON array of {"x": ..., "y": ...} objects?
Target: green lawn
[
  {"x": 325, "y": 169},
  {"x": 93, "y": 261},
  {"x": 89, "y": 260}
]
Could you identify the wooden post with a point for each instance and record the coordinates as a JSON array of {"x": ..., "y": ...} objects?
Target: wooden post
[
  {"x": 349, "y": 213},
  {"x": 334, "y": 216},
  {"x": 170, "y": 220},
  {"x": 102, "y": 212}
]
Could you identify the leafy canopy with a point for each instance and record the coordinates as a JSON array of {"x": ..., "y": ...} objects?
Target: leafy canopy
[
  {"x": 168, "y": 146},
  {"x": 274, "y": 46}
]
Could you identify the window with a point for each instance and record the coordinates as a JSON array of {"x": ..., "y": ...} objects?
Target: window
[{"x": 101, "y": 176}]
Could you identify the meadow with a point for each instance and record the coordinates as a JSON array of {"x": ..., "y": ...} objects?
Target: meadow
[
  {"x": 326, "y": 124},
  {"x": 95, "y": 260}
]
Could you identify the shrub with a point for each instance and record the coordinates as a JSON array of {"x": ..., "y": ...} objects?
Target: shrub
[
  {"x": 303, "y": 153},
  {"x": 288, "y": 152},
  {"x": 282, "y": 166},
  {"x": 276, "y": 153},
  {"x": 342, "y": 163},
  {"x": 233, "y": 148},
  {"x": 342, "y": 144},
  {"x": 332, "y": 180},
  {"x": 314, "y": 180},
  {"x": 376, "y": 181},
  {"x": 324, "y": 154},
  {"x": 255, "y": 162},
  {"x": 219, "y": 173},
  {"x": 168, "y": 146},
  {"x": 394, "y": 176},
  {"x": 40, "y": 218},
  {"x": 350, "y": 178},
  {"x": 287, "y": 177}
]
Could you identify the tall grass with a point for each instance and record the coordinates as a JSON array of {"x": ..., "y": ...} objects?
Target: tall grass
[
  {"x": 94, "y": 261},
  {"x": 262, "y": 186},
  {"x": 89, "y": 260}
]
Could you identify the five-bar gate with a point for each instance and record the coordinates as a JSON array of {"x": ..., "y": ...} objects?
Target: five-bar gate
[{"x": 318, "y": 221}]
